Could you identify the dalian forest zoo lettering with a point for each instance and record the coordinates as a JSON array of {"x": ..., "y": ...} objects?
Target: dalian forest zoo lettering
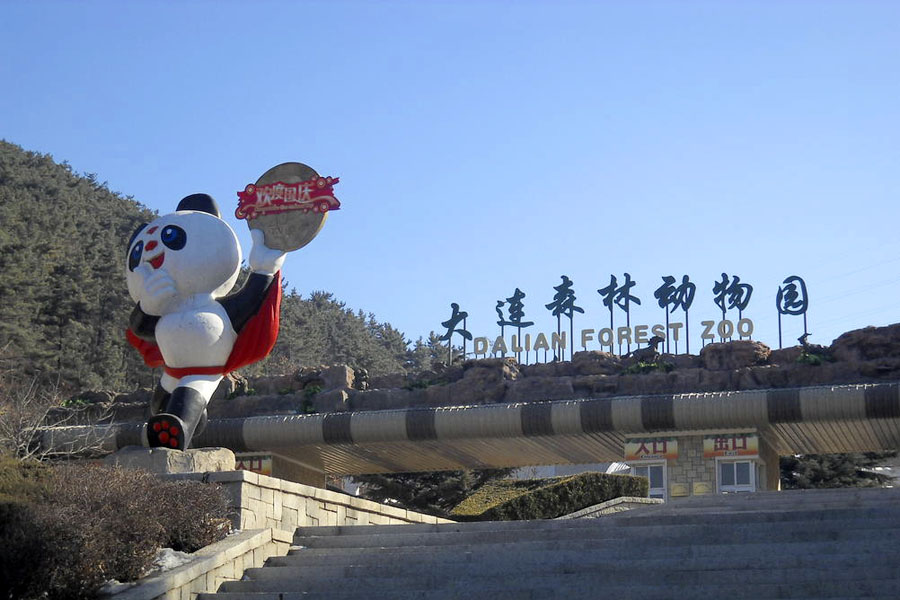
[{"x": 610, "y": 338}]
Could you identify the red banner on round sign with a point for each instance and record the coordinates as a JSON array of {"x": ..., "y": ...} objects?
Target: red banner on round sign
[{"x": 315, "y": 195}]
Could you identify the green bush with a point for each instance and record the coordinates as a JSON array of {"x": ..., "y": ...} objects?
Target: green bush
[
  {"x": 22, "y": 480},
  {"x": 510, "y": 500},
  {"x": 644, "y": 367},
  {"x": 87, "y": 524}
]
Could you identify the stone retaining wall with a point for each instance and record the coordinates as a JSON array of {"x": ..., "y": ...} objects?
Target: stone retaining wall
[
  {"x": 223, "y": 561},
  {"x": 611, "y": 507},
  {"x": 266, "y": 511},
  {"x": 262, "y": 502}
]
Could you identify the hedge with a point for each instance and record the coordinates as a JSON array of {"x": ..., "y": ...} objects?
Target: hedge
[
  {"x": 511, "y": 500},
  {"x": 64, "y": 531}
]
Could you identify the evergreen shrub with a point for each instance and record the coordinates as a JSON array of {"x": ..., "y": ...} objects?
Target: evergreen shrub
[
  {"x": 88, "y": 524},
  {"x": 510, "y": 499}
]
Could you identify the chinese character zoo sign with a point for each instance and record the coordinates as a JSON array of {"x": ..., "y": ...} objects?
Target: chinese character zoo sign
[{"x": 674, "y": 297}]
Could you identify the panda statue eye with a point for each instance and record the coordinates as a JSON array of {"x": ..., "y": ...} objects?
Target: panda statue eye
[
  {"x": 173, "y": 237},
  {"x": 134, "y": 258}
]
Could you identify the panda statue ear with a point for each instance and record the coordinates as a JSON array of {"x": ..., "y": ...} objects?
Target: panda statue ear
[{"x": 200, "y": 202}]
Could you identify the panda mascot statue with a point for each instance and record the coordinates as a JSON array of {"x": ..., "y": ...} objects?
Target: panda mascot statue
[{"x": 180, "y": 269}]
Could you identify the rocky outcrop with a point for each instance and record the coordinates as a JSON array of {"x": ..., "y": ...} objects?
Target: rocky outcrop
[
  {"x": 871, "y": 343},
  {"x": 866, "y": 355}
]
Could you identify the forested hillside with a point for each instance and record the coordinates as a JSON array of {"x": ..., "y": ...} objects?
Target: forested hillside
[
  {"x": 62, "y": 238},
  {"x": 64, "y": 304}
]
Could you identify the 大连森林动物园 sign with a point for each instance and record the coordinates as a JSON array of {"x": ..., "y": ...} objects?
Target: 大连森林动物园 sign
[{"x": 729, "y": 294}]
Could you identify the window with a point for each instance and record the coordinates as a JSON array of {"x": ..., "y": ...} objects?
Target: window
[
  {"x": 737, "y": 476},
  {"x": 656, "y": 473}
]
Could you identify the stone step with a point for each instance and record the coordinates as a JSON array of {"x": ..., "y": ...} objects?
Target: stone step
[
  {"x": 818, "y": 515},
  {"x": 862, "y": 545},
  {"x": 765, "y": 500},
  {"x": 808, "y": 513},
  {"x": 740, "y": 583},
  {"x": 671, "y": 534},
  {"x": 467, "y": 564},
  {"x": 534, "y": 594},
  {"x": 811, "y": 495},
  {"x": 646, "y": 511},
  {"x": 745, "y": 516},
  {"x": 810, "y": 544}
]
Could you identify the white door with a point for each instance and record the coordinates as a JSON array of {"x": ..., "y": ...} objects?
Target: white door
[{"x": 656, "y": 473}]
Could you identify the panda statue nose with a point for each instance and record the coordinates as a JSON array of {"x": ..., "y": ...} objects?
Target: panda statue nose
[{"x": 150, "y": 246}]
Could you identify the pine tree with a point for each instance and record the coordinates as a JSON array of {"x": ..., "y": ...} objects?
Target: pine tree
[
  {"x": 833, "y": 470},
  {"x": 434, "y": 493}
]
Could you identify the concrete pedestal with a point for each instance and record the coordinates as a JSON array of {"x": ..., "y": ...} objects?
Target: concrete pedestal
[{"x": 164, "y": 460}]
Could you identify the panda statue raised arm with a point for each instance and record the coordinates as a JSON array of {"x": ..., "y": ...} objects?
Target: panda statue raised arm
[{"x": 180, "y": 269}]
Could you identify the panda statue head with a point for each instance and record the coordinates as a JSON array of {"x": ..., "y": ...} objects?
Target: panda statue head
[{"x": 193, "y": 246}]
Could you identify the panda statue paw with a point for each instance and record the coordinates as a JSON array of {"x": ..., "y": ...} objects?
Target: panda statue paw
[{"x": 262, "y": 258}]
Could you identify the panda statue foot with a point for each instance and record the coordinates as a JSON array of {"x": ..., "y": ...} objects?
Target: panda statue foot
[
  {"x": 166, "y": 431},
  {"x": 175, "y": 427}
]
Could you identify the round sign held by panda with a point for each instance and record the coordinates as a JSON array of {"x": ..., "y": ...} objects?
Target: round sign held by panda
[{"x": 289, "y": 203}]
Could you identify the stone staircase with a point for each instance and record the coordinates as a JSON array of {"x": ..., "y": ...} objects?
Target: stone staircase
[{"x": 800, "y": 544}]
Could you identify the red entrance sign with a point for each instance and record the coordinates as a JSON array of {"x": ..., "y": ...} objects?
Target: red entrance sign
[
  {"x": 261, "y": 464},
  {"x": 651, "y": 449}
]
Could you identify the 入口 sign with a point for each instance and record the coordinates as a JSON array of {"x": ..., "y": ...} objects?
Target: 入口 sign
[
  {"x": 258, "y": 463},
  {"x": 651, "y": 449}
]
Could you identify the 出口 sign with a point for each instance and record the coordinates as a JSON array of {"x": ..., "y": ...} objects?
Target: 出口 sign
[{"x": 732, "y": 444}]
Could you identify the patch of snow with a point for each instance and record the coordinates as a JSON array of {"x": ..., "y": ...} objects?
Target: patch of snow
[
  {"x": 114, "y": 586},
  {"x": 168, "y": 559}
]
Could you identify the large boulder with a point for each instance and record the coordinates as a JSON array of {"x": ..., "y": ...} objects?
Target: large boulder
[
  {"x": 387, "y": 382},
  {"x": 595, "y": 386},
  {"x": 594, "y": 362},
  {"x": 273, "y": 385},
  {"x": 734, "y": 355},
  {"x": 871, "y": 343},
  {"x": 538, "y": 389},
  {"x": 338, "y": 377},
  {"x": 785, "y": 356},
  {"x": 681, "y": 361}
]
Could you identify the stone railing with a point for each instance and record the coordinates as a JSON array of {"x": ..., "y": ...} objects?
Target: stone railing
[
  {"x": 259, "y": 501},
  {"x": 611, "y": 507},
  {"x": 223, "y": 561}
]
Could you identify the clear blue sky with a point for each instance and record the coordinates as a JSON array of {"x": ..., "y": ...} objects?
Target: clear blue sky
[{"x": 484, "y": 146}]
